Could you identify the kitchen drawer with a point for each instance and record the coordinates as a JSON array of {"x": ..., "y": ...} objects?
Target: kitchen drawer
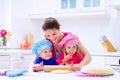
[
  {"x": 4, "y": 58},
  {"x": 112, "y": 61},
  {"x": 4, "y": 65}
]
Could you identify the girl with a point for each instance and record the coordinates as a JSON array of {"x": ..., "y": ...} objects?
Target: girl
[{"x": 71, "y": 55}]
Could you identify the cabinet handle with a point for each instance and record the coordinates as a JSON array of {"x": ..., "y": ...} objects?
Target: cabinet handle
[{"x": 119, "y": 61}]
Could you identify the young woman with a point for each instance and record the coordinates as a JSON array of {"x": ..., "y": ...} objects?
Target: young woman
[{"x": 51, "y": 28}]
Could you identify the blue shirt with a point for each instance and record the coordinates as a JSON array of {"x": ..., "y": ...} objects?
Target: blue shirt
[{"x": 50, "y": 61}]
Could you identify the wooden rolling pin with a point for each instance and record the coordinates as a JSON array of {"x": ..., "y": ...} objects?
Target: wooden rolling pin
[{"x": 49, "y": 68}]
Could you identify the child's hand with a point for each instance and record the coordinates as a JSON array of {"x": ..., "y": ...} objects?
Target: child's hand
[
  {"x": 38, "y": 67},
  {"x": 76, "y": 67},
  {"x": 41, "y": 66},
  {"x": 66, "y": 58},
  {"x": 35, "y": 67}
]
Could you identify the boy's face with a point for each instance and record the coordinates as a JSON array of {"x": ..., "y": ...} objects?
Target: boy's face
[
  {"x": 46, "y": 54},
  {"x": 53, "y": 34},
  {"x": 71, "y": 49}
]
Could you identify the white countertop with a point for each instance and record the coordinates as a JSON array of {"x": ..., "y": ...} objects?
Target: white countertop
[
  {"x": 100, "y": 53},
  {"x": 51, "y": 76},
  {"x": 14, "y": 51},
  {"x": 93, "y": 53}
]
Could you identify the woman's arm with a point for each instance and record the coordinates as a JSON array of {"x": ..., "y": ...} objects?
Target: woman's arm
[
  {"x": 86, "y": 58},
  {"x": 86, "y": 54}
]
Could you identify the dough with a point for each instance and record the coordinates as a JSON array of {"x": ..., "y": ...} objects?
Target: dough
[
  {"x": 103, "y": 70},
  {"x": 60, "y": 71}
]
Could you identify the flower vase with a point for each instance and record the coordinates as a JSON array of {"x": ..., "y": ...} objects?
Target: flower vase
[{"x": 4, "y": 41}]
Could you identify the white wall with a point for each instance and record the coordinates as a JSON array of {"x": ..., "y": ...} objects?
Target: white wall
[
  {"x": 89, "y": 29},
  {"x": 1, "y": 12},
  {"x": 114, "y": 30},
  {"x": 21, "y": 23}
]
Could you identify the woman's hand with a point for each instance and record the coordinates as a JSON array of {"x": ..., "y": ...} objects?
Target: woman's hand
[
  {"x": 37, "y": 67},
  {"x": 76, "y": 67}
]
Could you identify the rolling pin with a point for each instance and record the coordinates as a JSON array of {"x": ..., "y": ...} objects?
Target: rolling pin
[{"x": 49, "y": 68}]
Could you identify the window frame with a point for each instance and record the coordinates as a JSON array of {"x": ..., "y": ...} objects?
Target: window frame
[
  {"x": 68, "y": 4},
  {"x": 81, "y": 8}
]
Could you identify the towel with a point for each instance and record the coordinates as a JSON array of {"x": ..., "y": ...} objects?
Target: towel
[
  {"x": 15, "y": 72},
  {"x": 2, "y": 72}
]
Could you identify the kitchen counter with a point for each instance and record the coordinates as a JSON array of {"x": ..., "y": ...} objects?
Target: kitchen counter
[
  {"x": 25, "y": 56},
  {"x": 51, "y": 76},
  {"x": 100, "y": 53},
  {"x": 15, "y": 57},
  {"x": 93, "y": 53},
  {"x": 9, "y": 51}
]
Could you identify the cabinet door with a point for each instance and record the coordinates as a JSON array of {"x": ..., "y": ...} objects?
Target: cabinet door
[
  {"x": 113, "y": 61},
  {"x": 26, "y": 60},
  {"x": 97, "y": 60},
  {"x": 15, "y": 60},
  {"x": 4, "y": 61}
]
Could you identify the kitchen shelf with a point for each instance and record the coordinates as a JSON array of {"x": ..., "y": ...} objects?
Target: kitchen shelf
[
  {"x": 115, "y": 6},
  {"x": 98, "y": 14}
]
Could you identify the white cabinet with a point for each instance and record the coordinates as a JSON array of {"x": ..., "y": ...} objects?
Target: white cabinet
[
  {"x": 15, "y": 59},
  {"x": 4, "y": 61},
  {"x": 114, "y": 4},
  {"x": 26, "y": 60},
  {"x": 105, "y": 58},
  {"x": 43, "y": 6},
  {"x": 114, "y": 1},
  {"x": 61, "y": 9},
  {"x": 112, "y": 60}
]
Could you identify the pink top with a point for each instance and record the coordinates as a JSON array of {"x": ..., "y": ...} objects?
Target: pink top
[{"x": 76, "y": 58}]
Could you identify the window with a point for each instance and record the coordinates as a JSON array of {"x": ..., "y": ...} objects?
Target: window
[
  {"x": 65, "y": 4},
  {"x": 91, "y": 3},
  {"x": 82, "y": 4}
]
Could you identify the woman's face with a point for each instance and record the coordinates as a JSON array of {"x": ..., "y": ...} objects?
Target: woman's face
[
  {"x": 71, "y": 49},
  {"x": 46, "y": 54},
  {"x": 53, "y": 34}
]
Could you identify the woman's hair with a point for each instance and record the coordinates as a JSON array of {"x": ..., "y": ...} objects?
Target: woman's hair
[
  {"x": 78, "y": 48},
  {"x": 50, "y": 23}
]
